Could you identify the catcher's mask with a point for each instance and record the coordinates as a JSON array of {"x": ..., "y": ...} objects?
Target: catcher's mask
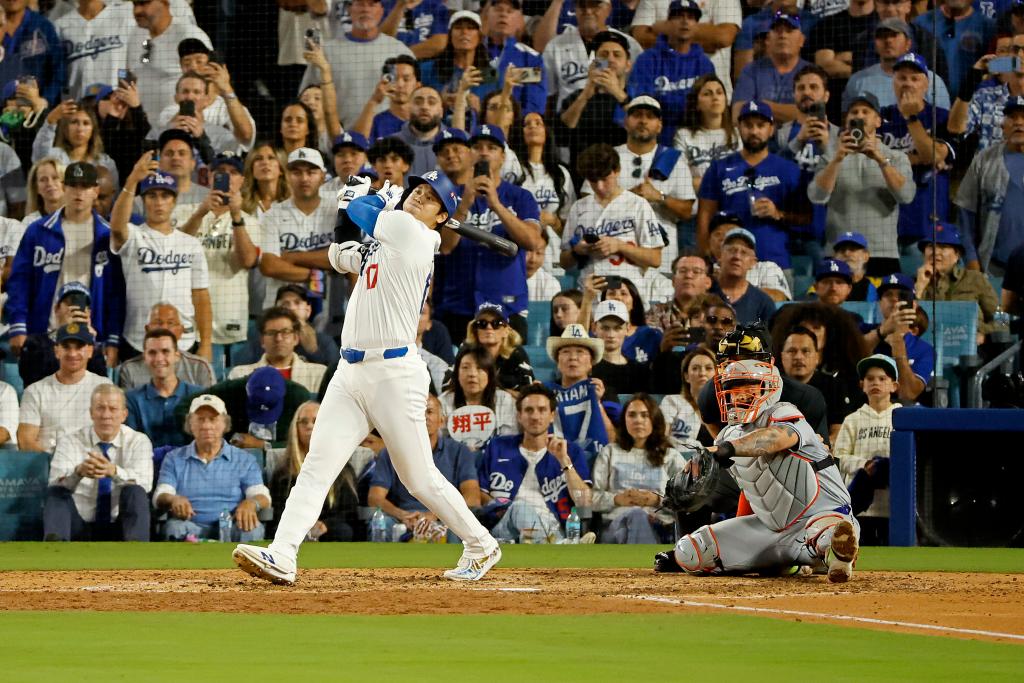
[
  {"x": 746, "y": 341},
  {"x": 746, "y": 388}
]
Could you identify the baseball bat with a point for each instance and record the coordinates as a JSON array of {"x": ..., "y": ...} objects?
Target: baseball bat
[{"x": 499, "y": 244}]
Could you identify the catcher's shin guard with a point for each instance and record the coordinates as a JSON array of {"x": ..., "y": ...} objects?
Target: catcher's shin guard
[{"x": 697, "y": 553}]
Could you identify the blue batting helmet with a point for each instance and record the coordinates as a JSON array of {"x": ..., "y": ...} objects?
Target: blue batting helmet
[{"x": 443, "y": 187}]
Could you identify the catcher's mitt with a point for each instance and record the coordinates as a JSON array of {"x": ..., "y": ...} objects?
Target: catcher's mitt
[{"x": 686, "y": 492}]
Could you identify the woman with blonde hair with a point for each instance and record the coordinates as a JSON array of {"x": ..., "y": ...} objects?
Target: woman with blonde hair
[
  {"x": 44, "y": 189},
  {"x": 682, "y": 416},
  {"x": 491, "y": 331},
  {"x": 339, "y": 519},
  {"x": 265, "y": 182},
  {"x": 72, "y": 133}
]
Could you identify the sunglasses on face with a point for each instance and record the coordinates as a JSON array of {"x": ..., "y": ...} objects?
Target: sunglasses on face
[
  {"x": 716, "y": 320},
  {"x": 488, "y": 324}
]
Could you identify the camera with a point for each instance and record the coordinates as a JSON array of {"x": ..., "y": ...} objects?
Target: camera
[
  {"x": 222, "y": 182},
  {"x": 601, "y": 63},
  {"x": 187, "y": 108},
  {"x": 816, "y": 111},
  {"x": 312, "y": 38},
  {"x": 590, "y": 238},
  {"x": 482, "y": 168},
  {"x": 390, "y": 72},
  {"x": 127, "y": 76},
  {"x": 906, "y": 298},
  {"x": 856, "y": 130},
  {"x": 530, "y": 74},
  {"x": 613, "y": 282}
]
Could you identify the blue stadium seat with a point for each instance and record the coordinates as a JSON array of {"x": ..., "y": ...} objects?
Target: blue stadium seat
[
  {"x": 868, "y": 311},
  {"x": 539, "y": 319},
  {"x": 568, "y": 281},
  {"x": 23, "y": 481},
  {"x": 12, "y": 377},
  {"x": 802, "y": 266}
]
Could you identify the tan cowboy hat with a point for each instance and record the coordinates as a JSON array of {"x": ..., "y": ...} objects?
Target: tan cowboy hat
[{"x": 576, "y": 335}]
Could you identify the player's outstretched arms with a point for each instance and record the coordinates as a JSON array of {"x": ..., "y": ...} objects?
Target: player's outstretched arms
[
  {"x": 761, "y": 443},
  {"x": 345, "y": 257}
]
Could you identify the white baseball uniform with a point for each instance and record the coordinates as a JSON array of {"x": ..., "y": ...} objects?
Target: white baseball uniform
[{"x": 386, "y": 389}]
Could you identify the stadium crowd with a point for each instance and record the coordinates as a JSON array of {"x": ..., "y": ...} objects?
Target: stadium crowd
[{"x": 668, "y": 168}]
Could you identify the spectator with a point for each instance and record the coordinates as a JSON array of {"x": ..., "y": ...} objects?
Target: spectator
[
  {"x": 123, "y": 124},
  {"x": 541, "y": 284},
  {"x": 800, "y": 359},
  {"x": 355, "y": 79},
  {"x": 12, "y": 183},
  {"x": 991, "y": 199},
  {"x": 100, "y": 477},
  {"x": 37, "y": 358},
  {"x": 837, "y": 338},
  {"x": 915, "y": 359},
  {"x": 739, "y": 254},
  {"x": 907, "y": 127},
  {"x": 567, "y": 60},
  {"x": 279, "y": 330},
  {"x": 852, "y": 249},
  {"x": 833, "y": 40},
  {"x": 73, "y": 245},
  {"x": 943, "y": 278},
  {"x": 504, "y": 21},
  {"x": 619, "y": 373},
  {"x": 24, "y": 108},
  {"x": 923, "y": 41},
  {"x": 314, "y": 346},
  {"x": 218, "y": 117},
  {"x": 980, "y": 105},
  {"x": 621, "y": 240},
  {"x": 475, "y": 383},
  {"x": 597, "y": 107},
  {"x": 193, "y": 369},
  {"x": 769, "y": 80},
  {"x": 298, "y": 128},
  {"x": 160, "y": 261},
  {"x": 491, "y": 331},
  {"x": 750, "y": 41},
  {"x": 59, "y": 403},
  {"x": 565, "y": 310},
  {"x": 716, "y": 319},
  {"x": 401, "y": 78},
  {"x": 455, "y": 461},
  {"x": 964, "y": 38},
  {"x": 864, "y": 183},
  {"x": 349, "y": 156},
  {"x": 8, "y": 416},
  {"x": 462, "y": 71},
  {"x": 319, "y": 100},
  {"x": 581, "y": 415},
  {"x": 539, "y": 476},
  {"x": 682, "y": 418},
  {"x": 668, "y": 70},
  {"x": 421, "y": 27},
  {"x": 177, "y": 158},
  {"x": 707, "y": 132},
  {"x": 833, "y": 282},
  {"x": 436, "y": 365},
  {"x": 642, "y": 341},
  {"x": 151, "y": 406},
  {"x": 296, "y": 231},
  {"x": 339, "y": 518},
  {"x": 499, "y": 207},
  {"x": 862, "y": 446},
  {"x": 153, "y": 51},
  {"x": 691, "y": 280},
  {"x": 423, "y": 128},
  {"x": 265, "y": 181},
  {"x": 199, "y": 481},
  {"x": 548, "y": 181},
  {"x": 92, "y": 35},
  {"x": 44, "y": 189},
  {"x": 227, "y": 236},
  {"x": 32, "y": 48},
  {"x": 758, "y": 187},
  {"x": 892, "y": 39},
  {"x": 765, "y": 275},
  {"x": 501, "y": 111},
  {"x": 715, "y": 34},
  {"x": 72, "y": 133},
  {"x": 104, "y": 203},
  {"x": 630, "y": 474},
  {"x": 391, "y": 159}
]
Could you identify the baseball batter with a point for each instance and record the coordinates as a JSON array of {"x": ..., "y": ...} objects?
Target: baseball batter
[
  {"x": 382, "y": 382},
  {"x": 802, "y": 511}
]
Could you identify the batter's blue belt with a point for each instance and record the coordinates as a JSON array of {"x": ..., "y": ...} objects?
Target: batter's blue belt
[{"x": 358, "y": 355}]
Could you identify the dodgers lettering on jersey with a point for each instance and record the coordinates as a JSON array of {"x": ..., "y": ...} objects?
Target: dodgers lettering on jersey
[
  {"x": 628, "y": 217},
  {"x": 668, "y": 75}
]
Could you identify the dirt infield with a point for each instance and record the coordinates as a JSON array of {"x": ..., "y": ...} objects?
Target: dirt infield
[{"x": 959, "y": 603}]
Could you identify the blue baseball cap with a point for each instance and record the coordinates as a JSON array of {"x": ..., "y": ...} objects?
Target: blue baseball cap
[
  {"x": 679, "y": 7},
  {"x": 1013, "y": 104},
  {"x": 851, "y": 238},
  {"x": 100, "y": 91},
  {"x": 265, "y": 391},
  {"x": 159, "y": 181},
  {"x": 442, "y": 187},
  {"x": 450, "y": 135},
  {"x": 914, "y": 60},
  {"x": 831, "y": 267},
  {"x": 350, "y": 139},
  {"x": 865, "y": 98},
  {"x": 229, "y": 159},
  {"x": 743, "y": 234},
  {"x": 77, "y": 290},
  {"x": 896, "y": 281},
  {"x": 77, "y": 332},
  {"x": 785, "y": 17},
  {"x": 10, "y": 90},
  {"x": 756, "y": 108},
  {"x": 945, "y": 233},
  {"x": 488, "y": 132},
  {"x": 493, "y": 309}
]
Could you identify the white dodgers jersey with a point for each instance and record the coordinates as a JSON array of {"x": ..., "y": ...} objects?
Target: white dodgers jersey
[{"x": 394, "y": 276}]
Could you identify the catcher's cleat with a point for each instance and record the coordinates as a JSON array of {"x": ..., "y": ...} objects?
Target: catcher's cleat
[
  {"x": 842, "y": 553},
  {"x": 588, "y": 538},
  {"x": 665, "y": 562},
  {"x": 264, "y": 564},
  {"x": 473, "y": 568}
]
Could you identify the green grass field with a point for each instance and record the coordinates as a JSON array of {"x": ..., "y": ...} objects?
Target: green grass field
[{"x": 183, "y": 647}]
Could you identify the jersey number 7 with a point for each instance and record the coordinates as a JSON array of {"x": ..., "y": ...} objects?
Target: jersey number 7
[{"x": 371, "y": 275}]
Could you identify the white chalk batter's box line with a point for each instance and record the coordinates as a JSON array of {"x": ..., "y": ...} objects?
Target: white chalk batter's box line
[{"x": 827, "y": 617}]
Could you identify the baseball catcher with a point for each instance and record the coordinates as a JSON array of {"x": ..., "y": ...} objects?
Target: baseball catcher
[{"x": 802, "y": 511}]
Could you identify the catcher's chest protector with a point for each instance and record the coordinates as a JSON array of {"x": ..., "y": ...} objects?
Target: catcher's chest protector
[{"x": 782, "y": 488}]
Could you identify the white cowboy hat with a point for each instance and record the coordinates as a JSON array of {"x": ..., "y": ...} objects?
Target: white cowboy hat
[{"x": 576, "y": 335}]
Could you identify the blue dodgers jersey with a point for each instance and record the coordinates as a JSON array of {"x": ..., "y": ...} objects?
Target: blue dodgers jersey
[
  {"x": 915, "y": 218},
  {"x": 667, "y": 75},
  {"x": 502, "y": 468},
  {"x": 730, "y": 182},
  {"x": 494, "y": 278},
  {"x": 579, "y": 416},
  {"x": 429, "y": 18}
]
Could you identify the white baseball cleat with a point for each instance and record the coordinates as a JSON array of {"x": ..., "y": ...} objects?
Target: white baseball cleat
[
  {"x": 473, "y": 568},
  {"x": 842, "y": 553},
  {"x": 264, "y": 564},
  {"x": 588, "y": 538}
]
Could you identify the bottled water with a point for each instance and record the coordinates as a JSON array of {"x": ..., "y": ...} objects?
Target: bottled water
[
  {"x": 572, "y": 527},
  {"x": 224, "y": 525},
  {"x": 379, "y": 527},
  {"x": 1000, "y": 321}
]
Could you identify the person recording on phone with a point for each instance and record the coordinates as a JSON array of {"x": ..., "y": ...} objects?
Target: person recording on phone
[
  {"x": 995, "y": 80},
  {"x": 191, "y": 95},
  {"x": 913, "y": 355},
  {"x": 32, "y": 47},
  {"x": 400, "y": 77},
  {"x": 122, "y": 123},
  {"x": 863, "y": 184},
  {"x": 503, "y": 21}
]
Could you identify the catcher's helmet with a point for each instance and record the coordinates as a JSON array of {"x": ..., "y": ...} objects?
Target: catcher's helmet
[
  {"x": 746, "y": 341},
  {"x": 443, "y": 187},
  {"x": 746, "y": 388}
]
